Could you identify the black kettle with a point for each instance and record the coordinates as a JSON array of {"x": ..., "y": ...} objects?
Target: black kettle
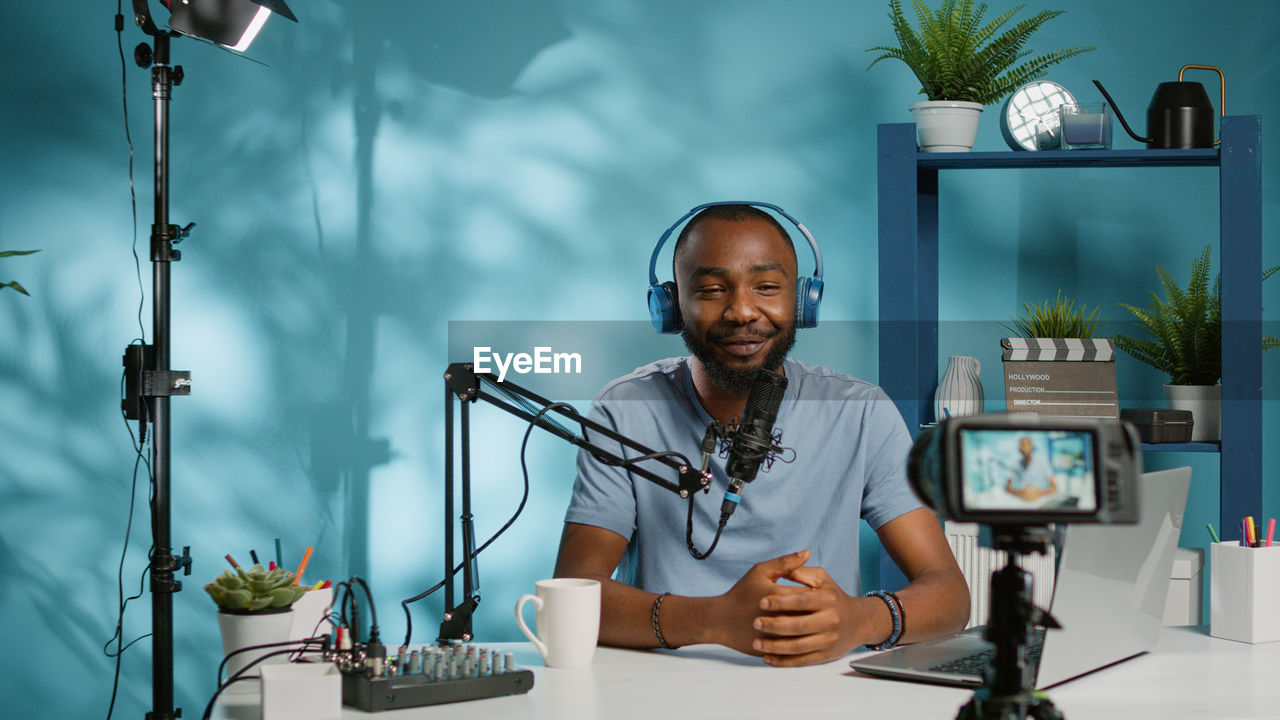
[{"x": 1180, "y": 114}]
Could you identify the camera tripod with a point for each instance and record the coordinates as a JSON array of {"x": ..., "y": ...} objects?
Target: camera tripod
[{"x": 1008, "y": 693}]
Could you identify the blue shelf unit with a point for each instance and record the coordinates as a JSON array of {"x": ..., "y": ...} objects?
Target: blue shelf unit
[{"x": 908, "y": 282}]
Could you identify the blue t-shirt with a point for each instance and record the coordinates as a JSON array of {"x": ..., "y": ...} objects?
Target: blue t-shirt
[
  {"x": 1035, "y": 474},
  {"x": 850, "y": 451}
]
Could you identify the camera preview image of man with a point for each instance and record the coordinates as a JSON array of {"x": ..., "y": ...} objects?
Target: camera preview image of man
[
  {"x": 1031, "y": 476},
  {"x": 784, "y": 583}
]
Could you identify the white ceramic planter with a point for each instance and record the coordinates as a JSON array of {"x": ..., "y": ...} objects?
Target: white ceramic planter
[
  {"x": 1205, "y": 404},
  {"x": 240, "y": 631},
  {"x": 946, "y": 125}
]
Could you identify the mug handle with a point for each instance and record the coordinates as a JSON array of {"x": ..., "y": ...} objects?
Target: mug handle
[{"x": 537, "y": 604}]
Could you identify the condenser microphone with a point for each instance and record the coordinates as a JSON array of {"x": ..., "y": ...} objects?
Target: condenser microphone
[{"x": 753, "y": 439}]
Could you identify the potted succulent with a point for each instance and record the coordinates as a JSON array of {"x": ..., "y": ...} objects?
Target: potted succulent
[
  {"x": 14, "y": 283},
  {"x": 1054, "y": 366},
  {"x": 254, "y": 608},
  {"x": 1185, "y": 343},
  {"x": 963, "y": 64}
]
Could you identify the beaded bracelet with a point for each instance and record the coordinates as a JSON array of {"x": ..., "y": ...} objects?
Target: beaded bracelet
[
  {"x": 895, "y": 612},
  {"x": 653, "y": 618}
]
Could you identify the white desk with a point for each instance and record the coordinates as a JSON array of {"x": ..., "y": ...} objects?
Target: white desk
[{"x": 1189, "y": 675}]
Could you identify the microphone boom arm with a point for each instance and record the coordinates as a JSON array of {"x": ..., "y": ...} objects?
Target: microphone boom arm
[{"x": 468, "y": 386}]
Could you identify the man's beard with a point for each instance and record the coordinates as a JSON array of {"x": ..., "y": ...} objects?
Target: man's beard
[{"x": 737, "y": 381}]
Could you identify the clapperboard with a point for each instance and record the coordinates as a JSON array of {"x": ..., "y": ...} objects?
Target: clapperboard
[{"x": 1060, "y": 376}]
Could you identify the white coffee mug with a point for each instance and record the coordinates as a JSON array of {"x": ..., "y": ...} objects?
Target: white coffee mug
[{"x": 568, "y": 620}]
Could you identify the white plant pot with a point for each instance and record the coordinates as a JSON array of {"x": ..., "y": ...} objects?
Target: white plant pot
[
  {"x": 244, "y": 630},
  {"x": 946, "y": 125},
  {"x": 1205, "y": 404}
]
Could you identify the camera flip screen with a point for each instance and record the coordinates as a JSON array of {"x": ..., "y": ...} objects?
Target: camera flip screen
[{"x": 1028, "y": 470}]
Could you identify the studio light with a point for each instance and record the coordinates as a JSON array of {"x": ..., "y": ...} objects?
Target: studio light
[{"x": 231, "y": 23}]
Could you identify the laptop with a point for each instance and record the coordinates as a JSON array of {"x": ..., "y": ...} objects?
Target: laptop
[{"x": 1109, "y": 596}]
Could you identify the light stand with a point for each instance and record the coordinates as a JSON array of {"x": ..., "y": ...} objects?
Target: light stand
[
  {"x": 463, "y": 383},
  {"x": 1007, "y": 693},
  {"x": 150, "y": 381}
]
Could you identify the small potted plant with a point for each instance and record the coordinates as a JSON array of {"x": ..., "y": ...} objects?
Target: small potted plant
[
  {"x": 1054, "y": 366},
  {"x": 1185, "y": 343},
  {"x": 254, "y": 608},
  {"x": 963, "y": 64}
]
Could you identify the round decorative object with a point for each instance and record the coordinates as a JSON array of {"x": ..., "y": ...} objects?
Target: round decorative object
[{"x": 1028, "y": 115}]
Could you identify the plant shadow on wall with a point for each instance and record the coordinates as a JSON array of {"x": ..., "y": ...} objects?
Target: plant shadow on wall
[
  {"x": 323, "y": 298},
  {"x": 63, "y": 504}
]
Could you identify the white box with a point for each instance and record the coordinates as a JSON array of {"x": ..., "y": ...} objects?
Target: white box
[
  {"x": 301, "y": 691},
  {"x": 1243, "y": 586},
  {"x": 1185, "y": 603}
]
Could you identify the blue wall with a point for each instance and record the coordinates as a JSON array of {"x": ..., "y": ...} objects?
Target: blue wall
[{"x": 397, "y": 167}]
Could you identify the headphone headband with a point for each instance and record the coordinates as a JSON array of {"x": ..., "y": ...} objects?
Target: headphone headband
[
  {"x": 664, "y": 306},
  {"x": 813, "y": 244}
]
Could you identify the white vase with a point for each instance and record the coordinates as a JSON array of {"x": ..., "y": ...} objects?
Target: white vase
[
  {"x": 244, "y": 630},
  {"x": 946, "y": 125},
  {"x": 959, "y": 391},
  {"x": 1205, "y": 404}
]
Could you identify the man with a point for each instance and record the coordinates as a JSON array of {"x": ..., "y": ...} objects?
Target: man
[
  {"x": 735, "y": 274},
  {"x": 1032, "y": 476}
]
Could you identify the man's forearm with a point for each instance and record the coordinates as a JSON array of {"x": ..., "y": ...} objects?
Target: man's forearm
[
  {"x": 626, "y": 618},
  {"x": 935, "y": 603}
]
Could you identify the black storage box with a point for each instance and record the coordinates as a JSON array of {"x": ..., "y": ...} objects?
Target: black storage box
[{"x": 1159, "y": 425}]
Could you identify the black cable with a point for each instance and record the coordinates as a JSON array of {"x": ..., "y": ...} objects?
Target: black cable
[
  {"x": 305, "y": 642},
  {"x": 140, "y": 442},
  {"x": 208, "y": 709},
  {"x": 373, "y": 612},
  {"x": 524, "y": 470},
  {"x": 142, "y": 458},
  {"x": 688, "y": 534}
]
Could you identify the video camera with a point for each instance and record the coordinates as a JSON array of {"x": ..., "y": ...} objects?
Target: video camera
[{"x": 1022, "y": 470}]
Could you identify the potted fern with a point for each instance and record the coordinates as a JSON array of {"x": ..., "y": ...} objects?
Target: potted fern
[
  {"x": 963, "y": 64},
  {"x": 1185, "y": 343},
  {"x": 1054, "y": 366}
]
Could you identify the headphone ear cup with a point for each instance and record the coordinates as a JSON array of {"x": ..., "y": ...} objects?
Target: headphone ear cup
[
  {"x": 808, "y": 298},
  {"x": 664, "y": 308}
]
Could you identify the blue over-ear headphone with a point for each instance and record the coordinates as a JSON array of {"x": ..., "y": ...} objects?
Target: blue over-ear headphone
[{"x": 664, "y": 307}]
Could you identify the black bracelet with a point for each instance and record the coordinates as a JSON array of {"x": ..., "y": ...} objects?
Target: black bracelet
[
  {"x": 653, "y": 618},
  {"x": 895, "y": 612}
]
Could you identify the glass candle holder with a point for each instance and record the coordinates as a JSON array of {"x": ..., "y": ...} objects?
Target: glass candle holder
[{"x": 1084, "y": 126}]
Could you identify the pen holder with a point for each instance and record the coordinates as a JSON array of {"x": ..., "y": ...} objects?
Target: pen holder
[{"x": 1243, "y": 585}]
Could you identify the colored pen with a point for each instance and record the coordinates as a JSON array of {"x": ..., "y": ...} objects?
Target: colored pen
[
  {"x": 306, "y": 557},
  {"x": 232, "y": 561},
  {"x": 319, "y": 585},
  {"x": 1213, "y": 534},
  {"x": 279, "y": 557},
  {"x": 1271, "y": 531},
  {"x": 254, "y": 555},
  {"x": 1251, "y": 531}
]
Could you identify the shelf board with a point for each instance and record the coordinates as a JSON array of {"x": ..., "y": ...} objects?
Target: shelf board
[
  {"x": 1183, "y": 447},
  {"x": 1199, "y": 157}
]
